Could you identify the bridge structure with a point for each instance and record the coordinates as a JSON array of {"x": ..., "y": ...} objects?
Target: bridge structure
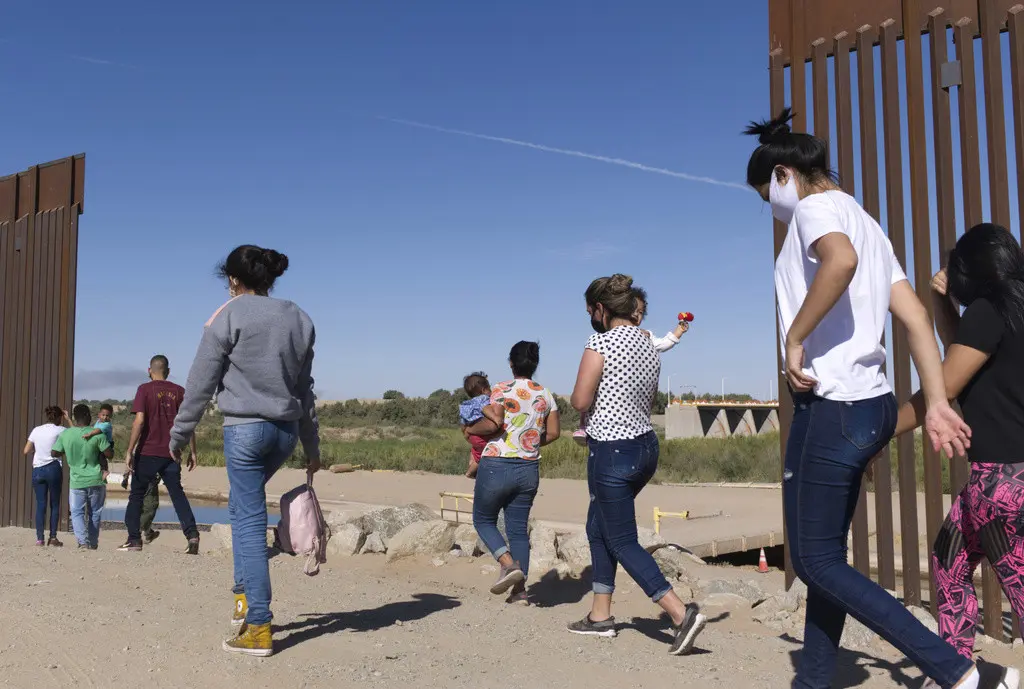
[{"x": 720, "y": 419}]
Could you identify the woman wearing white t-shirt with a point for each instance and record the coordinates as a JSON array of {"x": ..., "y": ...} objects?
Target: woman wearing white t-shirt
[
  {"x": 836, "y": 278},
  {"x": 47, "y": 472}
]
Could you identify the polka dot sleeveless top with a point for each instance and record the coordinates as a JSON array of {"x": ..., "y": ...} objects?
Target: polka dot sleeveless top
[{"x": 629, "y": 382}]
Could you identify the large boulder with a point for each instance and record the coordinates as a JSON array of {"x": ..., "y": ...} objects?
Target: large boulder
[
  {"x": 466, "y": 540},
  {"x": 422, "y": 538},
  {"x": 739, "y": 587},
  {"x": 346, "y": 540},
  {"x": 673, "y": 564},
  {"x": 373, "y": 544},
  {"x": 543, "y": 549},
  {"x": 649, "y": 540},
  {"x": 574, "y": 549},
  {"x": 388, "y": 521},
  {"x": 220, "y": 534}
]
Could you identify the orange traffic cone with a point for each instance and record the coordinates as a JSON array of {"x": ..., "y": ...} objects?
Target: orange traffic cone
[{"x": 762, "y": 563}]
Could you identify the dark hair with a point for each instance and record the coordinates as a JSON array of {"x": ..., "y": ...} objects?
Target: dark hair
[
  {"x": 615, "y": 293},
  {"x": 640, "y": 294},
  {"x": 255, "y": 267},
  {"x": 107, "y": 407},
  {"x": 54, "y": 415},
  {"x": 805, "y": 153},
  {"x": 160, "y": 363},
  {"x": 524, "y": 358},
  {"x": 987, "y": 263},
  {"x": 476, "y": 384},
  {"x": 81, "y": 414}
]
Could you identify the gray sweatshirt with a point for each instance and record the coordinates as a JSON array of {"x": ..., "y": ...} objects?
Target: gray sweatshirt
[{"x": 257, "y": 356}]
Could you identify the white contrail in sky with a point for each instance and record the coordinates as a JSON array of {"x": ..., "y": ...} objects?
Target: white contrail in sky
[{"x": 564, "y": 151}]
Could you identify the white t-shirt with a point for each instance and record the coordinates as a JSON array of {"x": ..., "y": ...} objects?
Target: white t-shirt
[
  {"x": 844, "y": 353},
  {"x": 42, "y": 438},
  {"x": 629, "y": 382}
]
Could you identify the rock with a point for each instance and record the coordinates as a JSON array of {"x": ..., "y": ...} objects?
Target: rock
[
  {"x": 777, "y": 607},
  {"x": 856, "y": 635},
  {"x": 574, "y": 550},
  {"x": 466, "y": 540},
  {"x": 745, "y": 589},
  {"x": 346, "y": 540},
  {"x": 220, "y": 534},
  {"x": 649, "y": 540},
  {"x": 729, "y": 601},
  {"x": 388, "y": 521},
  {"x": 543, "y": 549},
  {"x": 925, "y": 618},
  {"x": 373, "y": 544},
  {"x": 427, "y": 538},
  {"x": 437, "y": 562},
  {"x": 673, "y": 564}
]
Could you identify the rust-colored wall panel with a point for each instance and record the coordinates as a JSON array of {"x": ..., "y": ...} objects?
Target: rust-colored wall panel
[
  {"x": 827, "y": 19},
  {"x": 39, "y": 211}
]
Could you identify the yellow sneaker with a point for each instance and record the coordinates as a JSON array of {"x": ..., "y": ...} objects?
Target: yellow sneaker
[
  {"x": 253, "y": 640},
  {"x": 241, "y": 608}
]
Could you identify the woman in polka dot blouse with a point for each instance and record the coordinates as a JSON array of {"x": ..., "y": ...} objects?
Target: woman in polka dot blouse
[{"x": 615, "y": 387}]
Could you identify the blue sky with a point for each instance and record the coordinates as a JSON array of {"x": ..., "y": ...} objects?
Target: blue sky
[{"x": 421, "y": 254}]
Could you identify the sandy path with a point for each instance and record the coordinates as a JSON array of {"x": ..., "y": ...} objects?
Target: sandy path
[{"x": 156, "y": 619}]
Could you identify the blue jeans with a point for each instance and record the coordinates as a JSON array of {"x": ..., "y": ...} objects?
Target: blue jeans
[
  {"x": 87, "y": 530},
  {"x": 510, "y": 484},
  {"x": 617, "y": 470},
  {"x": 830, "y": 444},
  {"x": 47, "y": 482},
  {"x": 147, "y": 470},
  {"x": 254, "y": 452}
]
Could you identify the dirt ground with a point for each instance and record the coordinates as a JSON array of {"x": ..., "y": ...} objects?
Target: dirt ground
[{"x": 156, "y": 619}]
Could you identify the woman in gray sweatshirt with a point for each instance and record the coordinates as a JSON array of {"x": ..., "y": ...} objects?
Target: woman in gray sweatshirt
[{"x": 257, "y": 356}]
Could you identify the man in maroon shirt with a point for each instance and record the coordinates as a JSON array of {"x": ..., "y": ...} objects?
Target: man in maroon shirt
[{"x": 149, "y": 455}]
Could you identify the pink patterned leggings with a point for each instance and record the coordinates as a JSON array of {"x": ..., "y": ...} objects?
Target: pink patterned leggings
[{"x": 985, "y": 520}]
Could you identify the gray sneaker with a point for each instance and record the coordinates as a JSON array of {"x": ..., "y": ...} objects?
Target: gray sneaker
[
  {"x": 507, "y": 578},
  {"x": 605, "y": 628},
  {"x": 686, "y": 633}
]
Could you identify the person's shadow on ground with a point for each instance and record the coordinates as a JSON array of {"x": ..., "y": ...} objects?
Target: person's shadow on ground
[
  {"x": 316, "y": 625},
  {"x": 852, "y": 667},
  {"x": 552, "y": 590}
]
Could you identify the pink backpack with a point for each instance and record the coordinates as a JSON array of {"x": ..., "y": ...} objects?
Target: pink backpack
[{"x": 302, "y": 529}]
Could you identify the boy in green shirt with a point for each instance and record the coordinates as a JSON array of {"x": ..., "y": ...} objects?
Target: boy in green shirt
[{"x": 87, "y": 462}]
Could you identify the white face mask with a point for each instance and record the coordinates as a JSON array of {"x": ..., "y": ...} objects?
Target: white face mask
[{"x": 783, "y": 198}]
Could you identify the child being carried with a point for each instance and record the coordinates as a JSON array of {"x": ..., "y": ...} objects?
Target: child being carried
[{"x": 474, "y": 409}]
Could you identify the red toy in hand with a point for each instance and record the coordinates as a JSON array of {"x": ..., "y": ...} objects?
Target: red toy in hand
[{"x": 686, "y": 316}]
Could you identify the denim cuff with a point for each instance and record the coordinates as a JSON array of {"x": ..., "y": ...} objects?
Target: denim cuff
[
  {"x": 603, "y": 588},
  {"x": 661, "y": 594},
  {"x": 500, "y": 551}
]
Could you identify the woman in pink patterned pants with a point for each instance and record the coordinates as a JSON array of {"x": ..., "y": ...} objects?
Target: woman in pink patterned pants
[{"x": 984, "y": 371}]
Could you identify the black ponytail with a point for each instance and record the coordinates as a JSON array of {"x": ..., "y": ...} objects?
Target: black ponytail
[{"x": 524, "y": 358}]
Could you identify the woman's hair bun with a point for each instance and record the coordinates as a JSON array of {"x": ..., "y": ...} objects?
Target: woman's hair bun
[
  {"x": 276, "y": 262},
  {"x": 771, "y": 131},
  {"x": 620, "y": 282}
]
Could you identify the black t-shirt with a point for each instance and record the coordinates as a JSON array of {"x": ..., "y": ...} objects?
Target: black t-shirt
[{"x": 993, "y": 401}]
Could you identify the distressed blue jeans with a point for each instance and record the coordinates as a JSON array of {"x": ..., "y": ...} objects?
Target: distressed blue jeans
[
  {"x": 830, "y": 444},
  {"x": 510, "y": 484},
  {"x": 87, "y": 527},
  {"x": 617, "y": 470},
  {"x": 253, "y": 453}
]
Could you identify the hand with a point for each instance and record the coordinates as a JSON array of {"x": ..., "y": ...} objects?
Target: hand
[
  {"x": 313, "y": 465},
  {"x": 465, "y": 432},
  {"x": 129, "y": 458},
  {"x": 105, "y": 475},
  {"x": 193, "y": 460},
  {"x": 798, "y": 380},
  {"x": 176, "y": 455},
  {"x": 92, "y": 434},
  {"x": 940, "y": 282},
  {"x": 683, "y": 327},
  {"x": 947, "y": 430}
]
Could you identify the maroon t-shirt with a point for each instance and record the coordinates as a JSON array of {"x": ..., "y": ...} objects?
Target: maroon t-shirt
[{"x": 158, "y": 400}]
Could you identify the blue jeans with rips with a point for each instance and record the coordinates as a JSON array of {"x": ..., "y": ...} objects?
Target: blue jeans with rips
[
  {"x": 830, "y": 444},
  {"x": 253, "y": 453}
]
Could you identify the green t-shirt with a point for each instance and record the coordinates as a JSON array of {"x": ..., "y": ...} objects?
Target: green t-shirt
[{"x": 83, "y": 456}]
